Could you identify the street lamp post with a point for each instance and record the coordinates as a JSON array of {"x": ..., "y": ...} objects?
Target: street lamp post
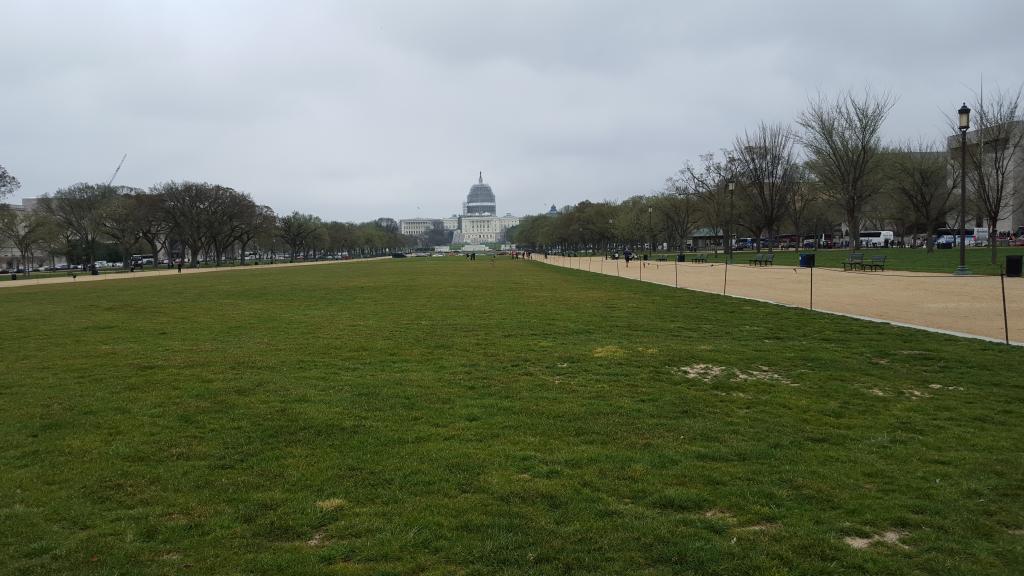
[
  {"x": 965, "y": 123},
  {"x": 650, "y": 226},
  {"x": 732, "y": 192}
]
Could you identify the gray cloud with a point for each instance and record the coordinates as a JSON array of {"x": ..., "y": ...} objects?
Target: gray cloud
[{"x": 366, "y": 108}]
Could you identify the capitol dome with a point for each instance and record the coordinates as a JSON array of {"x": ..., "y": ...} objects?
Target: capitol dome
[{"x": 480, "y": 200}]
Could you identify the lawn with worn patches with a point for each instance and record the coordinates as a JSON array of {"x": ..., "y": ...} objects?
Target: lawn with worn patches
[{"x": 442, "y": 416}]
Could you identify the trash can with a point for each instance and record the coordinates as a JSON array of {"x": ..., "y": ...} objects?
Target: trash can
[
  {"x": 14, "y": 276},
  {"x": 1013, "y": 265},
  {"x": 807, "y": 260},
  {"x": 645, "y": 257},
  {"x": 680, "y": 257}
]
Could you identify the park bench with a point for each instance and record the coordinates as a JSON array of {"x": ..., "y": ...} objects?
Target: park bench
[
  {"x": 763, "y": 259},
  {"x": 876, "y": 263},
  {"x": 662, "y": 259},
  {"x": 854, "y": 261},
  {"x": 699, "y": 258}
]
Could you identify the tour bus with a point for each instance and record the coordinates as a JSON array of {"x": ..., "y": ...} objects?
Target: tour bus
[
  {"x": 876, "y": 238},
  {"x": 142, "y": 260}
]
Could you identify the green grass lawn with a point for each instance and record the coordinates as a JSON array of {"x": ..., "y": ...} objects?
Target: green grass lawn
[
  {"x": 908, "y": 259},
  {"x": 441, "y": 416}
]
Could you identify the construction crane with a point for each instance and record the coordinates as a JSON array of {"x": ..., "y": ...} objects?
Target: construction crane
[{"x": 116, "y": 170}]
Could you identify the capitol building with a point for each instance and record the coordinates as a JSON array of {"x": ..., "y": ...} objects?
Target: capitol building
[{"x": 478, "y": 223}]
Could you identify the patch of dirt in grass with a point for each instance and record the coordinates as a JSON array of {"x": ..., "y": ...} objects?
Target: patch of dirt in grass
[
  {"x": 647, "y": 350},
  {"x": 703, "y": 372},
  {"x": 914, "y": 352},
  {"x": 719, "y": 514},
  {"x": 170, "y": 556},
  {"x": 916, "y": 394},
  {"x": 609, "y": 352},
  {"x": 763, "y": 373},
  {"x": 890, "y": 537},
  {"x": 877, "y": 392},
  {"x": 316, "y": 540},
  {"x": 708, "y": 372},
  {"x": 941, "y": 387},
  {"x": 331, "y": 504},
  {"x": 879, "y": 361},
  {"x": 1017, "y": 532}
]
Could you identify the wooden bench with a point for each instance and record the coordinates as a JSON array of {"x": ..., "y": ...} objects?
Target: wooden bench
[
  {"x": 763, "y": 259},
  {"x": 854, "y": 261},
  {"x": 699, "y": 258},
  {"x": 876, "y": 263}
]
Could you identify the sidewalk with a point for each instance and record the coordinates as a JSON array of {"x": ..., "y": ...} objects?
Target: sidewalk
[{"x": 86, "y": 277}]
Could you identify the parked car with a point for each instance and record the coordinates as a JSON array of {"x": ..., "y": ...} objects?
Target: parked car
[{"x": 743, "y": 244}]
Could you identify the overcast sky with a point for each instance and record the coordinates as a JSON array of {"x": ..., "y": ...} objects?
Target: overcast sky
[{"x": 353, "y": 110}]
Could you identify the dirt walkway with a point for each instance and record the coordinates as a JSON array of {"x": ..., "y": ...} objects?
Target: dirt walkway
[
  {"x": 29, "y": 281},
  {"x": 970, "y": 305}
]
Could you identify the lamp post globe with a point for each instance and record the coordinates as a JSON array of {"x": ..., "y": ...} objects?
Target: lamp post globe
[{"x": 965, "y": 117}]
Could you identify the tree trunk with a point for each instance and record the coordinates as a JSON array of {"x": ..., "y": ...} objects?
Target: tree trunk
[
  {"x": 854, "y": 228},
  {"x": 992, "y": 241}
]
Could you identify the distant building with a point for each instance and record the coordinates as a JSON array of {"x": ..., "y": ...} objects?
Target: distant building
[
  {"x": 1007, "y": 139},
  {"x": 9, "y": 254},
  {"x": 479, "y": 222},
  {"x": 417, "y": 226}
]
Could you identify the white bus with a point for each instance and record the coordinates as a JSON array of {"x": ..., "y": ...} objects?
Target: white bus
[{"x": 876, "y": 238}]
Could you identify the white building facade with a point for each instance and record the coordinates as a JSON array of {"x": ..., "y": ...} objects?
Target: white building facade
[{"x": 478, "y": 223}]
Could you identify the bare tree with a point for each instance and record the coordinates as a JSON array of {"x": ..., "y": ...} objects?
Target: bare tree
[
  {"x": 255, "y": 222},
  {"x": 8, "y": 183},
  {"x": 995, "y": 155},
  {"x": 22, "y": 228},
  {"x": 805, "y": 196},
  {"x": 842, "y": 137},
  {"x": 296, "y": 230},
  {"x": 79, "y": 208},
  {"x": 154, "y": 226},
  {"x": 230, "y": 211},
  {"x": 767, "y": 168},
  {"x": 678, "y": 211},
  {"x": 708, "y": 181},
  {"x": 187, "y": 206},
  {"x": 119, "y": 219},
  {"x": 923, "y": 180}
]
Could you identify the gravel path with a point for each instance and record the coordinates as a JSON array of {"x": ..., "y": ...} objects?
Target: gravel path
[{"x": 968, "y": 306}]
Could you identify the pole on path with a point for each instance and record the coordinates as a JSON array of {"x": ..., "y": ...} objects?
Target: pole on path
[
  {"x": 677, "y": 274},
  {"x": 617, "y": 267},
  {"x": 1006, "y": 323},
  {"x": 726, "y": 281},
  {"x": 812, "y": 287},
  {"x": 641, "y": 270}
]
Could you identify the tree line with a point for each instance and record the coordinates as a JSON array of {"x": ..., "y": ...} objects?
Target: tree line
[
  {"x": 809, "y": 178},
  {"x": 191, "y": 221}
]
